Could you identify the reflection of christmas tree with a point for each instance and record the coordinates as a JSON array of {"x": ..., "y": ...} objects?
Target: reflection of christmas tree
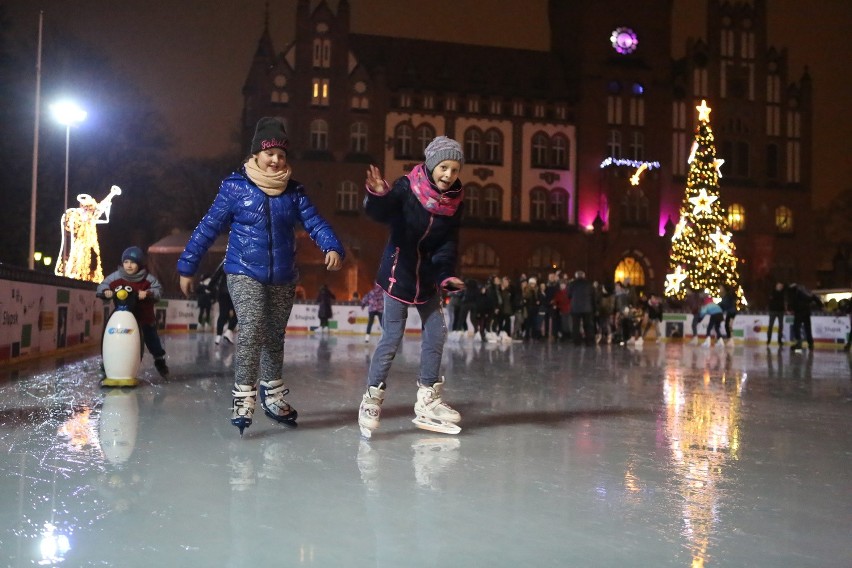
[
  {"x": 703, "y": 257},
  {"x": 702, "y": 424}
]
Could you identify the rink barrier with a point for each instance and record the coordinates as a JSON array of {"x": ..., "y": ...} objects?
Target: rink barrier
[{"x": 43, "y": 314}]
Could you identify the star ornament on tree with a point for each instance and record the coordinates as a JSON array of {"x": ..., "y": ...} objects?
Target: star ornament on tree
[
  {"x": 703, "y": 111},
  {"x": 674, "y": 280},
  {"x": 722, "y": 241},
  {"x": 702, "y": 202}
]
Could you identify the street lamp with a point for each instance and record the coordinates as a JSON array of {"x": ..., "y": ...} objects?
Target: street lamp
[{"x": 69, "y": 114}]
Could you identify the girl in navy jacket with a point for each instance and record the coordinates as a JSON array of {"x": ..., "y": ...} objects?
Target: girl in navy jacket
[{"x": 423, "y": 211}]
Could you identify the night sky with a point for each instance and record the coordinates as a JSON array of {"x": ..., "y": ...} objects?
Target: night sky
[{"x": 191, "y": 57}]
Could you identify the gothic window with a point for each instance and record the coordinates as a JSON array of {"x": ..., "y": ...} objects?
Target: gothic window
[
  {"x": 492, "y": 202},
  {"x": 472, "y": 206},
  {"x": 545, "y": 259},
  {"x": 347, "y": 196},
  {"x": 480, "y": 256},
  {"x": 784, "y": 219},
  {"x": 613, "y": 146},
  {"x": 637, "y": 145},
  {"x": 559, "y": 152},
  {"x": 473, "y": 145},
  {"x": 538, "y": 204},
  {"x": 493, "y": 146},
  {"x": 629, "y": 272},
  {"x": 319, "y": 92},
  {"x": 559, "y": 206},
  {"x": 540, "y": 144},
  {"x": 736, "y": 217},
  {"x": 319, "y": 135},
  {"x": 358, "y": 137},
  {"x": 402, "y": 142}
]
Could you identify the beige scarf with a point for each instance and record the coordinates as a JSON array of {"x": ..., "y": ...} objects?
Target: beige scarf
[{"x": 270, "y": 184}]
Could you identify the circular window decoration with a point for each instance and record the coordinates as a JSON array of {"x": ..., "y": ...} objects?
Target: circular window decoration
[
  {"x": 624, "y": 40},
  {"x": 360, "y": 87},
  {"x": 279, "y": 81}
]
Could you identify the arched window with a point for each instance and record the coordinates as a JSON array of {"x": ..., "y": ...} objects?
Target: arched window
[
  {"x": 347, "y": 196},
  {"x": 492, "y": 202},
  {"x": 559, "y": 152},
  {"x": 545, "y": 259},
  {"x": 538, "y": 204},
  {"x": 319, "y": 135},
  {"x": 540, "y": 144},
  {"x": 473, "y": 145},
  {"x": 736, "y": 217},
  {"x": 358, "y": 137},
  {"x": 472, "y": 205},
  {"x": 479, "y": 257},
  {"x": 425, "y": 134},
  {"x": 784, "y": 219},
  {"x": 493, "y": 147},
  {"x": 402, "y": 142},
  {"x": 558, "y": 206},
  {"x": 629, "y": 272}
]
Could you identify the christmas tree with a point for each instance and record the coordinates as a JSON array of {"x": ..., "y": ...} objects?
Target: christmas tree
[{"x": 703, "y": 256}]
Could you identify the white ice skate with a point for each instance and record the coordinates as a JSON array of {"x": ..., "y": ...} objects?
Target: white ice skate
[
  {"x": 245, "y": 397},
  {"x": 433, "y": 413},
  {"x": 370, "y": 411},
  {"x": 707, "y": 343}
]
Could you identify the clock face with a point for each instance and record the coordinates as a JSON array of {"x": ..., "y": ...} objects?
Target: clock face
[{"x": 624, "y": 40}]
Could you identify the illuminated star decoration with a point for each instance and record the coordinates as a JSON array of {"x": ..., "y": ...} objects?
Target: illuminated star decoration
[
  {"x": 702, "y": 202},
  {"x": 634, "y": 179},
  {"x": 703, "y": 111},
  {"x": 723, "y": 241},
  {"x": 718, "y": 163},
  {"x": 674, "y": 280}
]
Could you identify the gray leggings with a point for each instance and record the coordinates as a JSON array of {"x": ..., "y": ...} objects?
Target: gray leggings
[{"x": 262, "y": 312}]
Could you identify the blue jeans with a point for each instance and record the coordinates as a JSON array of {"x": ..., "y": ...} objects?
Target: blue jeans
[{"x": 393, "y": 329}]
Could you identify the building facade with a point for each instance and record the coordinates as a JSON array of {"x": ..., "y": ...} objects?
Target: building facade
[{"x": 551, "y": 139}]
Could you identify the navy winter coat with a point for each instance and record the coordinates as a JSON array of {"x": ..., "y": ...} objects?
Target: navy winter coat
[
  {"x": 262, "y": 242},
  {"x": 422, "y": 248}
]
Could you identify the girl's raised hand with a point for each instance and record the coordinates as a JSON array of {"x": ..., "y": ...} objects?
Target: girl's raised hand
[{"x": 375, "y": 181}]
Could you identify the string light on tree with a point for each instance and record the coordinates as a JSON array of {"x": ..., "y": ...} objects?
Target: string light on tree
[{"x": 703, "y": 254}]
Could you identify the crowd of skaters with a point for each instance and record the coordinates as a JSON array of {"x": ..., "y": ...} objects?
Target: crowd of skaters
[{"x": 557, "y": 306}]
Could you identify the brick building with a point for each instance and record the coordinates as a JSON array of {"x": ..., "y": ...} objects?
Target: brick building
[{"x": 551, "y": 138}]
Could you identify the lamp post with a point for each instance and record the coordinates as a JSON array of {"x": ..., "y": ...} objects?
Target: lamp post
[{"x": 69, "y": 114}]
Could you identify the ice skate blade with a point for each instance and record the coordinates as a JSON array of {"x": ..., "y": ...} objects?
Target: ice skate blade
[
  {"x": 108, "y": 382},
  {"x": 289, "y": 420},
  {"x": 436, "y": 426}
]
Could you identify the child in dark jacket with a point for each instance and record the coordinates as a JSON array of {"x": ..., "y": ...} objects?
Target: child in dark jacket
[
  {"x": 133, "y": 273},
  {"x": 423, "y": 210}
]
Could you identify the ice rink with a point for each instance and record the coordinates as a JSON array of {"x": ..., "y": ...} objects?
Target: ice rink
[{"x": 670, "y": 455}]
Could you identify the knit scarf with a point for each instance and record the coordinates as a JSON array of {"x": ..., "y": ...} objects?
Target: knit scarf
[
  {"x": 430, "y": 197},
  {"x": 138, "y": 276},
  {"x": 270, "y": 184}
]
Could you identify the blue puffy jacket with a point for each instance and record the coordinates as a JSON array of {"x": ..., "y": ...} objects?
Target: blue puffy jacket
[{"x": 262, "y": 242}]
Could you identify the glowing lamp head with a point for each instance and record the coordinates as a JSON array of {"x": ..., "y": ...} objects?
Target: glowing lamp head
[{"x": 121, "y": 294}]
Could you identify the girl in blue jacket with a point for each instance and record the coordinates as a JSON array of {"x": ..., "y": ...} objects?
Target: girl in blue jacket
[
  {"x": 261, "y": 204},
  {"x": 423, "y": 210}
]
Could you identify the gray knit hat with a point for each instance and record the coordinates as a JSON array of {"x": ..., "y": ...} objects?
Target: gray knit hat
[{"x": 440, "y": 149}]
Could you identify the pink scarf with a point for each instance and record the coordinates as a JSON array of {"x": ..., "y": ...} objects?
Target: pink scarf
[{"x": 431, "y": 199}]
